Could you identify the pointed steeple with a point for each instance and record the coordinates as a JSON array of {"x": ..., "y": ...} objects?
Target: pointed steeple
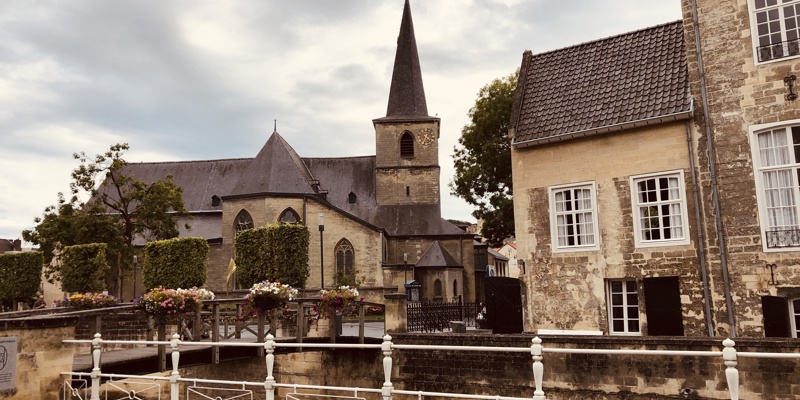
[{"x": 407, "y": 95}]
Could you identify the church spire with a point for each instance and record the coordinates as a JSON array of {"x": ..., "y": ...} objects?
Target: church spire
[{"x": 406, "y": 96}]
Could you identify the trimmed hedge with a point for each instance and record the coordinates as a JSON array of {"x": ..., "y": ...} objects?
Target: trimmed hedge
[
  {"x": 273, "y": 253},
  {"x": 20, "y": 275},
  {"x": 84, "y": 268},
  {"x": 175, "y": 263}
]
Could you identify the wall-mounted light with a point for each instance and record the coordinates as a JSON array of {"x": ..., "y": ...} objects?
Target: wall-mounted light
[{"x": 789, "y": 83}]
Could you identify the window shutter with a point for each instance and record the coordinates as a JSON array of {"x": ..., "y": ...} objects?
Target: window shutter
[
  {"x": 776, "y": 316},
  {"x": 662, "y": 299}
]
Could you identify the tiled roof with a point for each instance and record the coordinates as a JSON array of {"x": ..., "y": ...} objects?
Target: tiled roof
[{"x": 610, "y": 84}]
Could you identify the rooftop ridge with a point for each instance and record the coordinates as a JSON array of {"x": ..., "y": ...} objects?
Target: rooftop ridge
[{"x": 187, "y": 161}]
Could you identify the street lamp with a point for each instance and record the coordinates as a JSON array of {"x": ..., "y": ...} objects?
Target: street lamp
[
  {"x": 135, "y": 267},
  {"x": 405, "y": 268},
  {"x": 321, "y": 219}
]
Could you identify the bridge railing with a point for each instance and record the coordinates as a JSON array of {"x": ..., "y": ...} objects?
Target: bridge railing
[{"x": 728, "y": 356}]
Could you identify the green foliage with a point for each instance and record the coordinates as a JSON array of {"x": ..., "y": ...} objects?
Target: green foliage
[
  {"x": 273, "y": 253},
  {"x": 175, "y": 263},
  {"x": 69, "y": 224},
  {"x": 119, "y": 209},
  {"x": 342, "y": 279},
  {"x": 483, "y": 160},
  {"x": 20, "y": 275},
  {"x": 84, "y": 267}
]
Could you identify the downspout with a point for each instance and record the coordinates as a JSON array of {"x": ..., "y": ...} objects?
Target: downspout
[
  {"x": 700, "y": 239},
  {"x": 723, "y": 251}
]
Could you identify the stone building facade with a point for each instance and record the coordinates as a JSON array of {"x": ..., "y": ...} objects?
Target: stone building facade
[
  {"x": 660, "y": 197},
  {"x": 381, "y": 214}
]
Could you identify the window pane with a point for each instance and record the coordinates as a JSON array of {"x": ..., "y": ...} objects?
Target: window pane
[
  {"x": 616, "y": 286},
  {"x": 630, "y": 286},
  {"x": 633, "y": 325},
  {"x": 619, "y": 325}
]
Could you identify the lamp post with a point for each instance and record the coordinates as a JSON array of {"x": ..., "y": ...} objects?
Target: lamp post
[
  {"x": 321, "y": 219},
  {"x": 135, "y": 267},
  {"x": 405, "y": 268}
]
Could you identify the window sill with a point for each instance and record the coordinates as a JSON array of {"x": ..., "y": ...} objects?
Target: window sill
[{"x": 676, "y": 243}]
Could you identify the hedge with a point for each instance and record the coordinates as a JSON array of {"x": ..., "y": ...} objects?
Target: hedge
[
  {"x": 20, "y": 275},
  {"x": 175, "y": 263},
  {"x": 273, "y": 253},
  {"x": 84, "y": 267}
]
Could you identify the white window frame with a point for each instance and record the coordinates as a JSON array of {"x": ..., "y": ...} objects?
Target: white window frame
[
  {"x": 625, "y": 307},
  {"x": 754, "y": 34},
  {"x": 635, "y": 205},
  {"x": 758, "y": 171},
  {"x": 592, "y": 187},
  {"x": 792, "y": 313}
]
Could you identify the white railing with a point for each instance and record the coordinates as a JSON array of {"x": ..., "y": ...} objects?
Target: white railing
[{"x": 728, "y": 353}]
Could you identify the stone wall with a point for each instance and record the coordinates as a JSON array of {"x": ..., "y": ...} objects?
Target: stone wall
[
  {"x": 566, "y": 290},
  {"x": 741, "y": 95},
  {"x": 41, "y": 357}
]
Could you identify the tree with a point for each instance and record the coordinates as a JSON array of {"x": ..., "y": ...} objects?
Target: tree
[
  {"x": 122, "y": 207},
  {"x": 483, "y": 160}
]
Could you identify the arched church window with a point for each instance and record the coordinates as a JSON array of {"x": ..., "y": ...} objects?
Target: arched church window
[
  {"x": 455, "y": 287},
  {"x": 407, "y": 145},
  {"x": 351, "y": 198},
  {"x": 289, "y": 216},
  {"x": 243, "y": 221},
  {"x": 344, "y": 257},
  {"x": 437, "y": 288}
]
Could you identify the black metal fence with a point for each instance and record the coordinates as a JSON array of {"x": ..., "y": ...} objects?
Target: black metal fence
[{"x": 432, "y": 317}]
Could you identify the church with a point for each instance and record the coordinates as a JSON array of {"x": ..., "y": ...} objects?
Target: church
[{"x": 376, "y": 217}]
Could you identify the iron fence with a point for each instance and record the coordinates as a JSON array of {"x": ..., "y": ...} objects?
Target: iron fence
[{"x": 431, "y": 317}]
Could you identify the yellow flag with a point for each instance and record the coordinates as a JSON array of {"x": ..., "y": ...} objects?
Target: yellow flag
[{"x": 231, "y": 270}]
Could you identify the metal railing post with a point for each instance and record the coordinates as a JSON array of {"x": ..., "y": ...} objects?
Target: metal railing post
[
  {"x": 269, "y": 382},
  {"x": 731, "y": 373},
  {"x": 215, "y": 333},
  {"x": 538, "y": 368},
  {"x": 96, "y": 342},
  {"x": 175, "y": 375},
  {"x": 162, "y": 348},
  {"x": 386, "y": 348},
  {"x": 361, "y": 323}
]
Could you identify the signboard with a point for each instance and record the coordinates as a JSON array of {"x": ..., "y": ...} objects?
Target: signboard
[{"x": 8, "y": 363}]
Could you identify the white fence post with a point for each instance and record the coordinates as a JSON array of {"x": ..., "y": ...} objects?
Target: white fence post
[
  {"x": 173, "y": 379},
  {"x": 96, "y": 342},
  {"x": 269, "y": 383},
  {"x": 386, "y": 348},
  {"x": 731, "y": 373},
  {"x": 538, "y": 368}
]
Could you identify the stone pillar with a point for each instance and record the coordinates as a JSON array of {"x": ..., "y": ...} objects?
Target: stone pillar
[{"x": 396, "y": 316}]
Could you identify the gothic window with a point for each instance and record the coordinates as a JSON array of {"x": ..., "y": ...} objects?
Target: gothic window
[
  {"x": 407, "y": 145},
  {"x": 243, "y": 221},
  {"x": 437, "y": 288},
  {"x": 351, "y": 198},
  {"x": 455, "y": 288},
  {"x": 344, "y": 257},
  {"x": 289, "y": 216}
]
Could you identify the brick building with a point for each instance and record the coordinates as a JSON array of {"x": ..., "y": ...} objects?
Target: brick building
[
  {"x": 381, "y": 213},
  {"x": 621, "y": 217}
]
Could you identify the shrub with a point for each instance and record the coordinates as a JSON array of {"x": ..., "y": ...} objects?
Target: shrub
[
  {"x": 84, "y": 267},
  {"x": 273, "y": 253},
  {"x": 174, "y": 263},
  {"x": 20, "y": 275}
]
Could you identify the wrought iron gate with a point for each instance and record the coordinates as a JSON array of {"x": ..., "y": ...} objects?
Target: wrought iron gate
[{"x": 431, "y": 317}]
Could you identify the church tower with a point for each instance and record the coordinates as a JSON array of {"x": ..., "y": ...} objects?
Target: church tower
[{"x": 407, "y": 138}]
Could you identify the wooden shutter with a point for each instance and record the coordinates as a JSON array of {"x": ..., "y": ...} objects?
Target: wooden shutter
[
  {"x": 776, "y": 316},
  {"x": 662, "y": 298}
]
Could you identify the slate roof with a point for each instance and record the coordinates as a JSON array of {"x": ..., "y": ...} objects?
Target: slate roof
[
  {"x": 276, "y": 169},
  {"x": 406, "y": 94},
  {"x": 623, "y": 81},
  {"x": 437, "y": 256},
  {"x": 496, "y": 255},
  {"x": 200, "y": 180}
]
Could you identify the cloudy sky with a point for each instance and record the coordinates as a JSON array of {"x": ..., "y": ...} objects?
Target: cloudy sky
[{"x": 181, "y": 80}]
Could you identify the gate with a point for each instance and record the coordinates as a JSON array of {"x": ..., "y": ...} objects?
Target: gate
[
  {"x": 503, "y": 304},
  {"x": 432, "y": 317}
]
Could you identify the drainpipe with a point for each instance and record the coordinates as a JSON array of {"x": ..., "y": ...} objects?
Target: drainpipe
[
  {"x": 700, "y": 240},
  {"x": 723, "y": 257}
]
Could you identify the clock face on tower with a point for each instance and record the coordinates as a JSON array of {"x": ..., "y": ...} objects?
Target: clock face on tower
[{"x": 426, "y": 136}]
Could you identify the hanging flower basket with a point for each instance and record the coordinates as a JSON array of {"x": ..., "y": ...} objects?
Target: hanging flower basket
[
  {"x": 341, "y": 301},
  {"x": 266, "y": 296},
  {"x": 162, "y": 303},
  {"x": 90, "y": 300}
]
